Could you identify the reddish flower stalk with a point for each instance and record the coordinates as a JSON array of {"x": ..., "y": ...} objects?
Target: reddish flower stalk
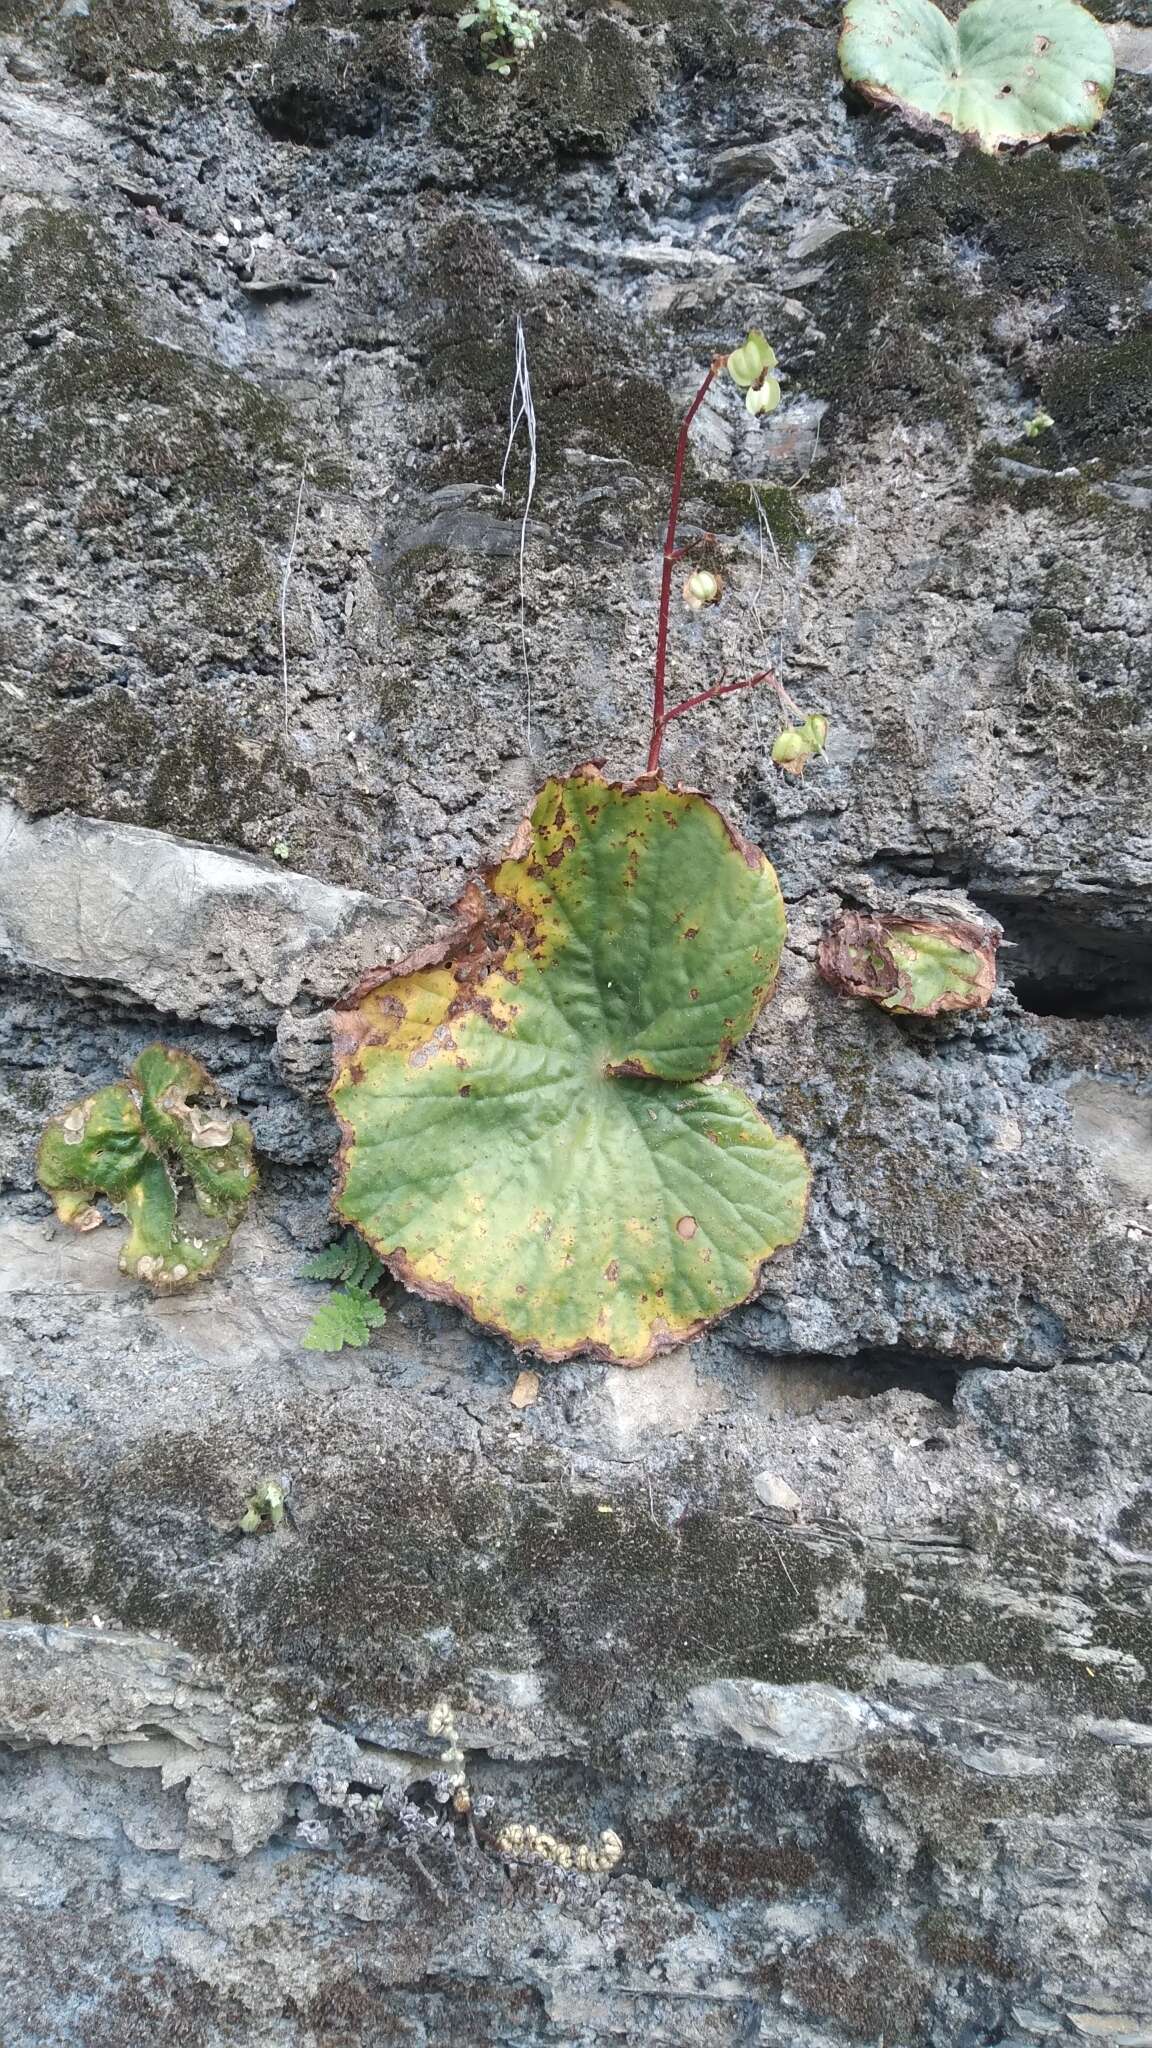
[
  {"x": 661, "y": 716},
  {"x": 721, "y": 689}
]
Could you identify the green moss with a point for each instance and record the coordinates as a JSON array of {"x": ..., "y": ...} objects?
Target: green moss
[
  {"x": 575, "y": 95},
  {"x": 731, "y": 507},
  {"x": 948, "y": 1627},
  {"x": 404, "y": 1574},
  {"x": 1028, "y": 476},
  {"x": 895, "y": 333},
  {"x": 317, "y": 88},
  {"x": 1070, "y": 702},
  {"x": 1100, "y": 397},
  {"x": 95, "y": 383},
  {"x": 116, "y": 36},
  {"x": 587, "y": 395},
  {"x": 1044, "y": 228},
  {"x": 904, "y": 305},
  {"x": 198, "y": 772},
  {"x": 157, "y": 456}
]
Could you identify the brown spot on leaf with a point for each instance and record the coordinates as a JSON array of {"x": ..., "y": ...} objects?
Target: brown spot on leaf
[
  {"x": 466, "y": 1089},
  {"x": 612, "y": 1271},
  {"x": 686, "y": 1227}
]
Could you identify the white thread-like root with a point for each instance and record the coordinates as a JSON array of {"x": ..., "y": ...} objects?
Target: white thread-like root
[
  {"x": 288, "y": 561},
  {"x": 521, "y": 409}
]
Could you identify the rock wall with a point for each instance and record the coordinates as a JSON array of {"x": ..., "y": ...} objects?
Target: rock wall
[{"x": 839, "y": 1618}]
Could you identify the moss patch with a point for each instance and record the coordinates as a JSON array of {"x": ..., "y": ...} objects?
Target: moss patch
[
  {"x": 198, "y": 770},
  {"x": 94, "y": 402},
  {"x": 953, "y": 1944},
  {"x": 182, "y": 474},
  {"x": 317, "y": 89},
  {"x": 577, "y": 94},
  {"x": 905, "y": 305},
  {"x": 897, "y": 326},
  {"x": 865, "y": 1986},
  {"x": 1100, "y": 397}
]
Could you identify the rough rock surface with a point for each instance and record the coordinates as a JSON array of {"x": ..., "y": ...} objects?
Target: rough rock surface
[{"x": 840, "y": 1618}]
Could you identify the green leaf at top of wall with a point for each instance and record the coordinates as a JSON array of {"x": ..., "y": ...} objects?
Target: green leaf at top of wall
[
  {"x": 1009, "y": 72},
  {"x": 530, "y": 1130},
  {"x": 145, "y": 1143}
]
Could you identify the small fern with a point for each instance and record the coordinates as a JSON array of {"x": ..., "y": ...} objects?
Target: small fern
[
  {"x": 349, "y": 1316},
  {"x": 351, "y": 1312}
]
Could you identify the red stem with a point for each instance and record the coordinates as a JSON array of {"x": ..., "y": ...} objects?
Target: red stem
[
  {"x": 659, "y": 715},
  {"x": 718, "y": 690}
]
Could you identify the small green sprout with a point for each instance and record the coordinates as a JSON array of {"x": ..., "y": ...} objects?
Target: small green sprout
[
  {"x": 751, "y": 367},
  {"x": 503, "y": 21},
  {"x": 263, "y": 1510},
  {"x": 1039, "y": 425}
]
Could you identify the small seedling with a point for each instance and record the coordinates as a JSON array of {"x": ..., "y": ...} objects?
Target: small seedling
[
  {"x": 145, "y": 1143},
  {"x": 264, "y": 1510},
  {"x": 351, "y": 1312},
  {"x": 517, "y": 28},
  {"x": 1038, "y": 425}
]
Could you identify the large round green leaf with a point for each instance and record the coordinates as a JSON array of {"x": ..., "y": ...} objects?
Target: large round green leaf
[
  {"x": 528, "y": 1128},
  {"x": 1009, "y": 72}
]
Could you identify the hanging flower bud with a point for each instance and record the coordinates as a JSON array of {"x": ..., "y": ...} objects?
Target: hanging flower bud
[
  {"x": 751, "y": 368},
  {"x": 763, "y": 397},
  {"x": 702, "y": 588},
  {"x": 791, "y": 753},
  {"x": 796, "y": 745},
  {"x": 747, "y": 365}
]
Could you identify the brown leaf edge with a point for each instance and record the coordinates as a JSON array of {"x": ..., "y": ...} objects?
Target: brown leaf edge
[
  {"x": 467, "y": 948},
  {"x": 854, "y": 932}
]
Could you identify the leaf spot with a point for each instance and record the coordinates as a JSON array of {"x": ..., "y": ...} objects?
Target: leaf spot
[{"x": 686, "y": 1227}]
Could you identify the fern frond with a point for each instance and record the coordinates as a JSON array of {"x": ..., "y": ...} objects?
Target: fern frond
[
  {"x": 348, "y": 1259},
  {"x": 349, "y": 1316}
]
